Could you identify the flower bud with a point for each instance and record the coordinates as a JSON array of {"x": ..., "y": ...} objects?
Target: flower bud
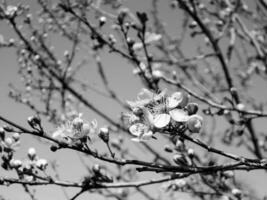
[
  {"x": 31, "y": 153},
  {"x": 228, "y": 174},
  {"x": 34, "y": 121},
  {"x": 112, "y": 39},
  {"x": 8, "y": 128},
  {"x": 191, "y": 152},
  {"x": 104, "y": 134},
  {"x": 15, "y": 163},
  {"x": 192, "y": 108},
  {"x": 179, "y": 145},
  {"x": 122, "y": 14},
  {"x": 240, "y": 106},
  {"x": 179, "y": 159},
  {"x": 54, "y": 148},
  {"x": 168, "y": 149},
  {"x": 41, "y": 164},
  {"x": 180, "y": 183},
  {"x": 157, "y": 74},
  {"x": 236, "y": 192},
  {"x": 66, "y": 54},
  {"x": 8, "y": 141},
  {"x": 130, "y": 42},
  {"x": 102, "y": 21},
  {"x": 193, "y": 25},
  {"x": 77, "y": 123},
  {"x": 96, "y": 168},
  {"x": 16, "y": 137},
  {"x": 2, "y": 133},
  {"x": 137, "y": 111},
  {"x": 194, "y": 123},
  {"x": 142, "y": 16}
]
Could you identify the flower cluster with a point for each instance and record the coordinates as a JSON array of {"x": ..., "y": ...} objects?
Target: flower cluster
[
  {"x": 75, "y": 130},
  {"x": 155, "y": 112}
]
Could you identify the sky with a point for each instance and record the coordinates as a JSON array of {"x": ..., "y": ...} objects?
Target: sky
[{"x": 122, "y": 80}]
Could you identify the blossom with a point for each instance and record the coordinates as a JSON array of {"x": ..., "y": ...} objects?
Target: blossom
[
  {"x": 152, "y": 112},
  {"x": 146, "y": 97},
  {"x": 15, "y": 163},
  {"x": 76, "y": 129},
  {"x": 10, "y": 144},
  {"x": 11, "y": 10},
  {"x": 141, "y": 131}
]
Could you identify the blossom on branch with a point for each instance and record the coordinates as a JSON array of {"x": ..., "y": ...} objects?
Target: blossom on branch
[
  {"x": 75, "y": 130},
  {"x": 155, "y": 112}
]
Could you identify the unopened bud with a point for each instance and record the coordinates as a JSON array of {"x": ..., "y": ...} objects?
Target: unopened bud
[
  {"x": 102, "y": 20},
  {"x": 15, "y": 163},
  {"x": 31, "y": 153},
  {"x": 16, "y": 136},
  {"x": 180, "y": 183},
  {"x": 8, "y": 128},
  {"x": 2, "y": 133},
  {"x": 191, "y": 152},
  {"x": 179, "y": 145},
  {"x": 240, "y": 106},
  {"x": 34, "y": 121},
  {"x": 168, "y": 149},
  {"x": 54, "y": 148},
  {"x": 8, "y": 141},
  {"x": 236, "y": 192},
  {"x": 192, "y": 108},
  {"x": 137, "y": 111},
  {"x": 41, "y": 164},
  {"x": 193, "y": 25},
  {"x": 228, "y": 174},
  {"x": 104, "y": 134},
  {"x": 194, "y": 123},
  {"x": 130, "y": 42},
  {"x": 96, "y": 168},
  {"x": 179, "y": 159}
]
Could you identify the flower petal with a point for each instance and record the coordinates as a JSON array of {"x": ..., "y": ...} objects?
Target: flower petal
[
  {"x": 136, "y": 139},
  {"x": 138, "y": 103},
  {"x": 148, "y": 116},
  {"x": 145, "y": 94},
  {"x": 147, "y": 135},
  {"x": 138, "y": 129},
  {"x": 160, "y": 96},
  {"x": 194, "y": 123},
  {"x": 179, "y": 115},
  {"x": 174, "y": 100},
  {"x": 161, "y": 120}
]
